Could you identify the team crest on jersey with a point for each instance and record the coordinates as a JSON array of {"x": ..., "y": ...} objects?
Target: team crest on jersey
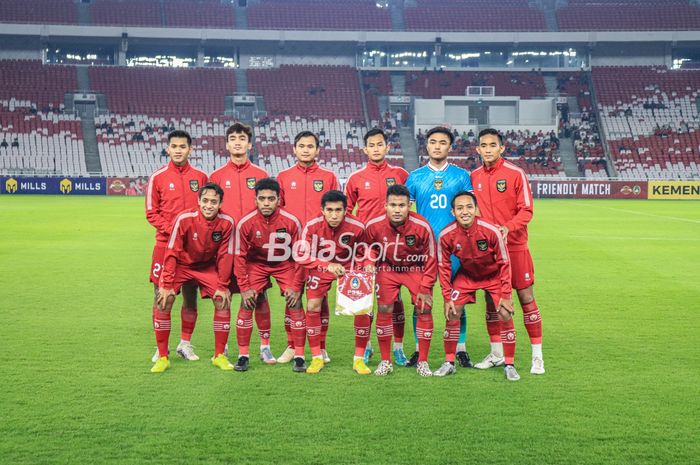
[
  {"x": 437, "y": 184},
  {"x": 355, "y": 283},
  {"x": 216, "y": 236},
  {"x": 482, "y": 245},
  {"x": 390, "y": 181},
  {"x": 501, "y": 185},
  {"x": 318, "y": 185},
  {"x": 250, "y": 183},
  {"x": 345, "y": 239},
  {"x": 194, "y": 185},
  {"x": 281, "y": 233},
  {"x": 410, "y": 240}
]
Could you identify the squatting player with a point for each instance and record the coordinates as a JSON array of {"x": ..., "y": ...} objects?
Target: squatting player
[
  {"x": 264, "y": 239},
  {"x": 238, "y": 178},
  {"x": 432, "y": 187},
  {"x": 505, "y": 199},
  {"x": 171, "y": 190},
  {"x": 404, "y": 248},
  {"x": 327, "y": 252},
  {"x": 200, "y": 251},
  {"x": 484, "y": 264},
  {"x": 366, "y": 189},
  {"x": 301, "y": 189}
]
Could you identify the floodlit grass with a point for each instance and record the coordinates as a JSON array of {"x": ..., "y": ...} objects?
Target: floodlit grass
[{"x": 617, "y": 284}]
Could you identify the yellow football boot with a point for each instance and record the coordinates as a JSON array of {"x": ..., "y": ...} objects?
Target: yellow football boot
[
  {"x": 360, "y": 367},
  {"x": 315, "y": 366},
  {"x": 162, "y": 364},
  {"x": 221, "y": 362}
]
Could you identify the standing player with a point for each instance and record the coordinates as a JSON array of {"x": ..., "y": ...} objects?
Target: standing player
[
  {"x": 484, "y": 264},
  {"x": 238, "y": 178},
  {"x": 200, "y": 250},
  {"x": 301, "y": 189},
  {"x": 404, "y": 247},
  {"x": 432, "y": 187},
  {"x": 505, "y": 199},
  {"x": 264, "y": 240},
  {"x": 172, "y": 190},
  {"x": 327, "y": 248},
  {"x": 366, "y": 189}
]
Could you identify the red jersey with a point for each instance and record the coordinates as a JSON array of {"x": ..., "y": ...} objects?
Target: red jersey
[
  {"x": 196, "y": 242},
  {"x": 171, "y": 190},
  {"x": 404, "y": 248},
  {"x": 367, "y": 187},
  {"x": 483, "y": 257},
  {"x": 505, "y": 199},
  {"x": 301, "y": 189},
  {"x": 238, "y": 183},
  {"x": 264, "y": 240},
  {"x": 328, "y": 245}
]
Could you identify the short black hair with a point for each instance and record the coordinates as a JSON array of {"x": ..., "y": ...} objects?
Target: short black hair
[
  {"x": 492, "y": 132},
  {"x": 398, "y": 190},
  {"x": 375, "y": 132},
  {"x": 214, "y": 187},
  {"x": 334, "y": 196},
  {"x": 180, "y": 134},
  {"x": 467, "y": 193},
  {"x": 240, "y": 128},
  {"x": 305, "y": 134},
  {"x": 269, "y": 184},
  {"x": 440, "y": 130}
]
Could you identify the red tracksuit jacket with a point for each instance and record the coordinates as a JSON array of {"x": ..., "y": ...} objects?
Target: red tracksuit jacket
[
  {"x": 238, "y": 183},
  {"x": 302, "y": 189},
  {"x": 367, "y": 187},
  {"x": 401, "y": 246},
  {"x": 483, "y": 257},
  {"x": 505, "y": 199},
  {"x": 171, "y": 190},
  {"x": 328, "y": 245},
  {"x": 254, "y": 236},
  {"x": 196, "y": 242}
]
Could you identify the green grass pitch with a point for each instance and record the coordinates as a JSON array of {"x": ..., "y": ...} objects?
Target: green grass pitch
[{"x": 617, "y": 283}]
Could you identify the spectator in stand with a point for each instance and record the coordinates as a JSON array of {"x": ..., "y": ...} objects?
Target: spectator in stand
[
  {"x": 4, "y": 143},
  {"x": 15, "y": 143}
]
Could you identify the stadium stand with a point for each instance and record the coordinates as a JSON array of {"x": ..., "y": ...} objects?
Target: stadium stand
[
  {"x": 164, "y": 91},
  {"x": 650, "y": 117},
  {"x": 126, "y": 13},
  {"x": 536, "y": 153},
  {"x": 435, "y": 84},
  {"x": 199, "y": 13},
  {"x": 39, "y": 11},
  {"x": 473, "y": 15},
  {"x": 349, "y": 15},
  {"x": 642, "y": 15},
  {"x": 29, "y": 80},
  {"x": 374, "y": 84}
]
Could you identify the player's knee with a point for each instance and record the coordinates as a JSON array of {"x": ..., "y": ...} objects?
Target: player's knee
[
  {"x": 525, "y": 296},
  {"x": 385, "y": 308},
  {"x": 168, "y": 306},
  {"x": 313, "y": 306}
]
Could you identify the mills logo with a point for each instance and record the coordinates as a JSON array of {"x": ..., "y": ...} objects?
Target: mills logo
[
  {"x": 11, "y": 186},
  {"x": 66, "y": 186}
]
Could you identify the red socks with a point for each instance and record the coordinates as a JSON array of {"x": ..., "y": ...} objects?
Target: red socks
[
  {"x": 313, "y": 331},
  {"x": 398, "y": 320},
  {"x": 424, "y": 330},
  {"x": 263, "y": 322},
  {"x": 493, "y": 323},
  {"x": 533, "y": 322},
  {"x": 508, "y": 338},
  {"x": 362, "y": 324},
  {"x": 244, "y": 328},
  {"x": 325, "y": 318},
  {"x": 385, "y": 330},
  {"x": 298, "y": 325},
  {"x": 161, "y": 326},
  {"x": 451, "y": 339},
  {"x": 188, "y": 318},
  {"x": 288, "y": 327},
  {"x": 222, "y": 327}
]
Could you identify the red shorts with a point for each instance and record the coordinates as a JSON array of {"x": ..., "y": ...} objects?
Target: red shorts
[
  {"x": 157, "y": 263},
  {"x": 318, "y": 283},
  {"x": 284, "y": 273},
  {"x": 389, "y": 285},
  {"x": 205, "y": 278},
  {"x": 464, "y": 290},
  {"x": 522, "y": 269}
]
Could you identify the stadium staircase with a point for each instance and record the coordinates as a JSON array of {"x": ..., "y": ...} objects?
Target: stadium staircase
[
  {"x": 612, "y": 170},
  {"x": 409, "y": 148},
  {"x": 550, "y": 18},
  {"x": 568, "y": 157},
  {"x": 83, "y": 77},
  {"x": 241, "y": 17},
  {"x": 365, "y": 112},
  {"x": 397, "y": 18},
  {"x": 92, "y": 155},
  {"x": 550, "y": 83},
  {"x": 84, "y": 18}
]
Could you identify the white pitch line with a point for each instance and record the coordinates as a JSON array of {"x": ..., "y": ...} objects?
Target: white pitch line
[
  {"x": 675, "y": 218},
  {"x": 633, "y": 238}
]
